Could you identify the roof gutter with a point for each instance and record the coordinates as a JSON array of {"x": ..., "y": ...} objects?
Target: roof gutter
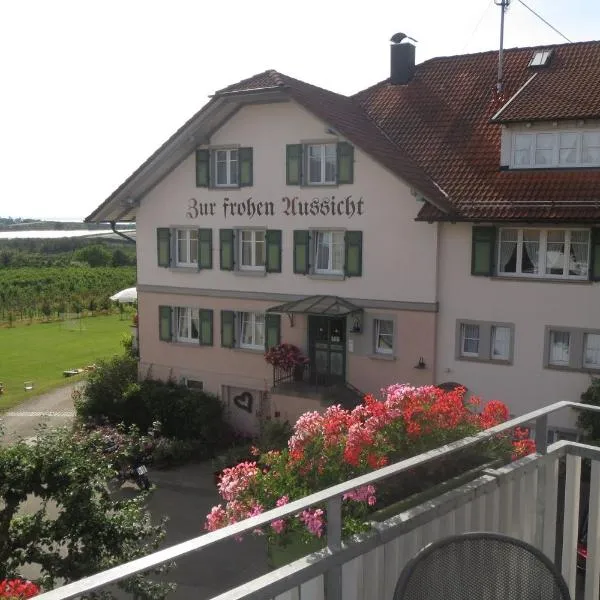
[{"x": 113, "y": 225}]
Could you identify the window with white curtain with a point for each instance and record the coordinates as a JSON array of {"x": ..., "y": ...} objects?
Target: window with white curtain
[
  {"x": 560, "y": 348},
  {"x": 329, "y": 252},
  {"x": 188, "y": 324},
  {"x": 552, "y": 253},
  {"x": 469, "y": 340},
  {"x": 322, "y": 164},
  {"x": 546, "y": 149},
  {"x": 572, "y": 348},
  {"x": 384, "y": 336},
  {"x": 252, "y": 330},
  {"x": 187, "y": 247},
  {"x": 500, "y": 342},
  {"x": 226, "y": 167},
  {"x": 591, "y": 350},
  {"x": 484, "y": 341},
  {"x": 252, "y": 249}
]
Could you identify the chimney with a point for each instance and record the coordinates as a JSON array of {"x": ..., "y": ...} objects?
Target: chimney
[{"x": 402, "y": 64}]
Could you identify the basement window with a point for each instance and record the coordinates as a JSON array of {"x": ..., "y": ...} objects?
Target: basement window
[{"x": 540, "y": 58}]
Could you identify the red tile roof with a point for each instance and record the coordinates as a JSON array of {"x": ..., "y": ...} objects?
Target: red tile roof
[
  {"x": 442, "y": 118},
  {"x": 348, "y": 118},
  {"x": 568, "y": 88}
]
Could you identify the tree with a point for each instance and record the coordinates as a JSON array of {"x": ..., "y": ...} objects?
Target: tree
[
  {"x": 46, "y": 309},
  {"x": 80, "y": 528},
  {"x": 588, "y": 422},
  {"x": 95, "y": 256},
  {"x": 120, "y": 258}
]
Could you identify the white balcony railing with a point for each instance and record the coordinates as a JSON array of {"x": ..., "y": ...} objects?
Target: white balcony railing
[{"x": 521, "y": 499}]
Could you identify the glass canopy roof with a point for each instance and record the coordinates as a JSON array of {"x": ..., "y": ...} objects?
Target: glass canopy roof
[{"x": 329, "y": 306}]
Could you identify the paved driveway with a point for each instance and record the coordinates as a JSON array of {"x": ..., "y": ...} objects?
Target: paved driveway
[
  {"x": 54, "y": 409},
  {"x": 186, "y": 495}
]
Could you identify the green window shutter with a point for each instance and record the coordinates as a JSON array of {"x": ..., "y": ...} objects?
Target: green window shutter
[
  {"x": 273, "y": 330},
  {"x": 301, "y": 251},
  {"x": 163, "y": 244},
  {"x": 165, "y": 323},
  {"x": 227, "y": 328},
  {"x": 345, "y": 162},
  {"x": 245, "y": 166},
  {"x": 293, "y": 164},
  {"x": 202, "y": 168},
  {"x": 206, "y": 327},
  {"x": 353, "y": 248},
  {"x": 273, "y": 239},
  {"x": 595, "y": 255},
  {"x": 226, "y": 249},
  {"x": 483, "y": 251},
  {"x": 205, "y": 249}
]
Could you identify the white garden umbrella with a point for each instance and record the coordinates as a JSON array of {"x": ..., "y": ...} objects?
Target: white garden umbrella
[{"x": 128, "y": 295}]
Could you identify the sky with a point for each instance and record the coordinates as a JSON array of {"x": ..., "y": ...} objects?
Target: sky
[{"x": 89, "y": 89}]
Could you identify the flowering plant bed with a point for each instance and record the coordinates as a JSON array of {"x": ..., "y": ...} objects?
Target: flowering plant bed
[
  {"x": 18, "y": 589},
  {"x": 338, "y": 445},
  {"x": 286, "y": 357}
]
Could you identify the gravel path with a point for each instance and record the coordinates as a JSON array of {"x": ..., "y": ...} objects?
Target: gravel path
[{"x": 54, "y": 409}]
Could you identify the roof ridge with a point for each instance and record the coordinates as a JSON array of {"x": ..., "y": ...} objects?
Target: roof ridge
[{"x": 509, "y": 50}]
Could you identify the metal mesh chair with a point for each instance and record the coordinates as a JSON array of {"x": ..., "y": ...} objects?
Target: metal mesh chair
[{"x": 481, "y": 566}]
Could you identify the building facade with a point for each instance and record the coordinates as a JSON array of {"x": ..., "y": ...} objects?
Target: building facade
[{"x": 428, "y": 230}]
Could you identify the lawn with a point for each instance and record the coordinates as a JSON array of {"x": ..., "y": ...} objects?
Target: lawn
[{"x": 42, "y": 351}]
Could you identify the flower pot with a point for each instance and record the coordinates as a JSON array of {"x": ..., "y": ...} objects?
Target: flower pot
[{"x": 298, "y": 372}]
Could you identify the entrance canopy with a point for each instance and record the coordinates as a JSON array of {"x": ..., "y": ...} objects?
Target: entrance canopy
[{"x": 327, "y": 306}]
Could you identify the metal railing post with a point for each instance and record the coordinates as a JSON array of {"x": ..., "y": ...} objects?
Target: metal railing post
[
  {"x": 541, "y": 434},
  {"x": 571, "y": 521},
  {"x": 592, "y": 575},
  {"x": 334, "y": 544}
]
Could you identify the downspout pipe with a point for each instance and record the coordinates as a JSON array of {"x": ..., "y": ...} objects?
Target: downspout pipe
[{"x": 113, "y": 225}]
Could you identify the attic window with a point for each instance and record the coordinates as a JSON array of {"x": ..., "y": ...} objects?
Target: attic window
[{"x": 540, "y": 58}]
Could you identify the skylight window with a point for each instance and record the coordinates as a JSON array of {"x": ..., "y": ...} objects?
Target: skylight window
[{"x": 540, "y": 58}]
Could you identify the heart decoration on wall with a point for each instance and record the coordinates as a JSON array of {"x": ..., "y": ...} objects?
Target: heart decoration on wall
[{"x": 244, "y": 401}]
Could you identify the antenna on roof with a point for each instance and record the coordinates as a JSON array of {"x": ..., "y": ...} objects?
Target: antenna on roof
[{"x": 503, "y": 4}]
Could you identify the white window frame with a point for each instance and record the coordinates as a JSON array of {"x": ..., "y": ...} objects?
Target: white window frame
[
  {"x": 561, "y": 363},
  {"x": 232, "y": 166},
  {"x": 254, "y": 318},
  {"x": 577, "y": 349},
  {"x": 590, "y": 365},
  {"x": 317, "y": 233},
  {"x": 494, "y": 330},
  {"x": 463, "y": 338},
  {"x": 555, "y": 162},
  {"x": 542, "y": 260},
  {"x": 384, "y": 349},
  {"x": 322, "y": 180},
  {"x": 189, "y": 314},
  {"x": 188, "y": 240},
  {"x": 253, "y": 243},
  {"x": 485, "y": 351}
]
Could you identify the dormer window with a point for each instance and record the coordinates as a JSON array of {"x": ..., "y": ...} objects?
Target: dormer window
[
  {"x": 540, "y": 58},
  {"x": 563, "y": 149}
]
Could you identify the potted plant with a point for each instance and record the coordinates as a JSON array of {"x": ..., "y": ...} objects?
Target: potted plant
[
  {"x": 287, "y": 357},
  {"x": 339, "y": 444}
]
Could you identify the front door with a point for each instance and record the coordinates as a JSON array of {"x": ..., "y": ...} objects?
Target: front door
[{"x": 327, "y": 349}]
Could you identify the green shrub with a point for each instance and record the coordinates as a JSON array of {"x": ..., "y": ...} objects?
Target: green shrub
[
  {"x": 102, "y": 394},
  {"x": 588, "y": 422},
  {"x": 274, "y": 435},
  {"x": 184, "y": 414},
  {"x": 112, "y": 394}
]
